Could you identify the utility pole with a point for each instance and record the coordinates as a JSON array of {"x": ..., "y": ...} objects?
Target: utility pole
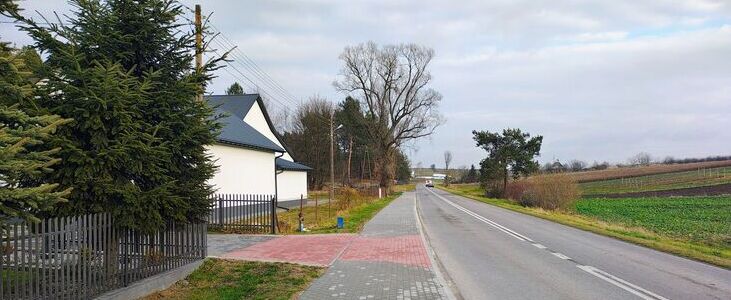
[
  {"x": 198, "y": 46},
  {"x": 332, "y": 161},
  {"x": 350, "y": 157}
]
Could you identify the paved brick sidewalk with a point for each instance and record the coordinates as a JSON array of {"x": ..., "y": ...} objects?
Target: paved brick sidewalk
[
  {"x": 313, "y": 249},
  {"x": 387, "y": 261}
]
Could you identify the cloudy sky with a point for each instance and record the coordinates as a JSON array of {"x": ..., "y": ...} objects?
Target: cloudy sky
[{"x": 600, "y": 81}]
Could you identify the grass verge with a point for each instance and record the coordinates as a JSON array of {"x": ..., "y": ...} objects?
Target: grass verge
[
  {"x": 228, "y": 279},
  {"x": 323, "y": 217},
  {"x": 319, "y": 220},
  {"x": 713, "y": 252}
]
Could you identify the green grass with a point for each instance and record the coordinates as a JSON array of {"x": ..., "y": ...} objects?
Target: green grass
[
  {"x": 355, "y": 216},
  {"x": 693, "y": 227},
  {"x": 659, "y": 182},
  {"x": 226, "y": 279},
  {"x": 704, "y": 220}
]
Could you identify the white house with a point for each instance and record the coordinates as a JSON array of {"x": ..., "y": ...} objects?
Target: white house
[{"x": 250, "y": 154}]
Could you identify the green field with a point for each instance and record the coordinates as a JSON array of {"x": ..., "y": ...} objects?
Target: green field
[
  {"x": 705, "y": 220},
  {"x": 659, "y": 182}
]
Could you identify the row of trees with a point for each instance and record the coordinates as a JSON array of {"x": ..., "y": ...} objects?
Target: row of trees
[
  {"x": 388, "y": 103},
  {"x": 639, "y": 159},
  {"x": 355, "y": 156},
  {"x": 106, "y": 123}
]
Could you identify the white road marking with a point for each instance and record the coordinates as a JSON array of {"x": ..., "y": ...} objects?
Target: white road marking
[
  {"x": 485, "y": 220},
  {"x": 559, "y": 255},
  {"x": 636, "y": 290}
]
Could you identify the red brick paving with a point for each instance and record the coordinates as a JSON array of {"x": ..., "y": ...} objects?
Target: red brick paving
[
  {"x": 319, "y": 250},
  {"x": 404, "y": 249}
]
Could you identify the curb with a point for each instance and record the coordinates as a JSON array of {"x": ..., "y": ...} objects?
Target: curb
[{"x": 450, "y": 289}]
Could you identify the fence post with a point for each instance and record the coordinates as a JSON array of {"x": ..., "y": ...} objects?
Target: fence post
[
  {"x": 220, "y": 212},
  {"x": 274, "y": 215}
]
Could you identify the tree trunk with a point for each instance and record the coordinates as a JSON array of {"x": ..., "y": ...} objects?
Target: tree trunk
[
  {"x": 385, "y": 167},
  {"x": 505, "y": 183}
]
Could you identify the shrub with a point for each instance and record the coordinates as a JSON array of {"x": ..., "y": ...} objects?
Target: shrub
[
  {"x": 550, "y": 192},
  {"x": 516, "y": 189},
  {"x": 347, "y": 197},
  {"x": 492, "y": 188}
]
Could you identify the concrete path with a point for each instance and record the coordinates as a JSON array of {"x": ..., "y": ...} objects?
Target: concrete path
[
  {"x": 389, "y": 260},
  {"x": 493, "y": 253}
]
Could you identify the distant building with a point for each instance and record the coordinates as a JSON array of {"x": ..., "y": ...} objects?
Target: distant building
[{"x": 439, "y": 176}]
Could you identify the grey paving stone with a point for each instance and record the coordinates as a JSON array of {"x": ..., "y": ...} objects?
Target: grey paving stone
[
  {"x": 376, "y": 279},
  {"x": 219, "y": 244}
]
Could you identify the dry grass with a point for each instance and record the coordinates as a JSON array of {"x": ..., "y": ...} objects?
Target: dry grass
[
  {"x": 625, "y": 172},
  {"x": 355, "y": 208},
  {"x": 550, "y": 192}
]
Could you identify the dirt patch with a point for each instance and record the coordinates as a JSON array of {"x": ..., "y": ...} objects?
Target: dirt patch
[{"x": 713, "y": 190}]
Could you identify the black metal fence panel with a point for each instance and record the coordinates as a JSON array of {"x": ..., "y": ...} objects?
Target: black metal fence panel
[
  {"x": 81, "y": 257},
  {"x": 243, "y": 213}
]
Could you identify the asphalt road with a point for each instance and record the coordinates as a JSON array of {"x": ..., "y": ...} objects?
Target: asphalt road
[{"x": 493, "y": 253}]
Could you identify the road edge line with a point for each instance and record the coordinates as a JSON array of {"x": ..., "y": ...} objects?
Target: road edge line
[{"x": 440, "y": 273}]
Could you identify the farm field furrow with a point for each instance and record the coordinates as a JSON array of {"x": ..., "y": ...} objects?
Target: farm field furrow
[
  {"x": 659, "y": 182},
  {"x": 625, "y": 172}
]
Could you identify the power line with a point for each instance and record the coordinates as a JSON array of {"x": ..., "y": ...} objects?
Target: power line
[
  {"x": 256, "y": 67},
  {"x": 250, "y": 65},
  {"x": 281, "y": 95}
]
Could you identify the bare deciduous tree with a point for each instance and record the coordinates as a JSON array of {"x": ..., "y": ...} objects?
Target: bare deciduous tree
[
  {"x": 393, "y": 83},
  {"x": 577, "y": 165},
  {"x": 641, "y": 159}
]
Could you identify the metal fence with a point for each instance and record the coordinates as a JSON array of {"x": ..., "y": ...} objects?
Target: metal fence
[
  {"x": 84, "y": 256},
  {"x": 243, "y": 213}
]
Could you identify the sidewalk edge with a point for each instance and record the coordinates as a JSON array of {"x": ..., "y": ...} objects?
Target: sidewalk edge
[{"x": 441, "y": 275}]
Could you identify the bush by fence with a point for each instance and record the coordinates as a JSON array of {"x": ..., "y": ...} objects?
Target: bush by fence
[{"x": 84, "y": 256}]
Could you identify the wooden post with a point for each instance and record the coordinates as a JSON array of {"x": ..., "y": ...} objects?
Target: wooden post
[
  {"x": 301, "y": 215},
  {"x": 274, "y": 215},
  {"x": 198, "y": 46},
  {"x": 317, "y": 221}
]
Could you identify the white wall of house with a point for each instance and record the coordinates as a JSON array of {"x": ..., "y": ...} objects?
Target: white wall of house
[
  {"x": 255, "y": 118},
  {"x": 243, "y": 171},
  {"x": 292, "y": 184}
]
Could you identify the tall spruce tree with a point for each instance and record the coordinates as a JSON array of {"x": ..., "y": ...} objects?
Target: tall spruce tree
[
  {"x": 20, "y": 194},
  {"x": 124, "y": 71}
]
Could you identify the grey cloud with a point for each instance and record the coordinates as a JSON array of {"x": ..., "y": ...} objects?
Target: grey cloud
[{"x": 601, "y": 80}]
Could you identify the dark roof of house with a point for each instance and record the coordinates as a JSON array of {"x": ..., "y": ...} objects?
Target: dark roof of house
[
  {"x": 237, "y": 105},
  {"x": 284, "y": 164},
  {"x": 235, "y": 131}
]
